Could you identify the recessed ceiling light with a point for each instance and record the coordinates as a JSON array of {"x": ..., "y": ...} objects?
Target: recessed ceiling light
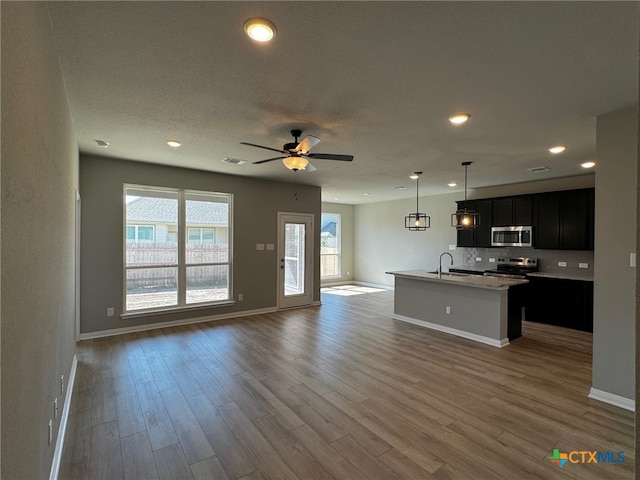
[
  {"x": 588, "y": 164},
  {"x": 366, "y": 194},
  {"x": 459, "y": 118},
  {"x": 102, "y": 143},
  {"x": 452, "y": 184},
  {"x": 259, "y": 29},
  {"x": 174, "y": 143},
  {"x": 556, "y": 149},
  {"x": 400, "y": 187}
]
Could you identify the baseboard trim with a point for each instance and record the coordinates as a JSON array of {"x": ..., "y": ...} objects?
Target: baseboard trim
[
  {"x": 64, "y": 419},
  {"x": 613, "y": 399},
  {"x": 453, "y": 331},
  {"x": 175, "y": 323}
]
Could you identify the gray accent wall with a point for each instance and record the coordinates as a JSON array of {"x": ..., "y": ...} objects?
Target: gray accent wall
[
  {"x": 615, "y": 240},
  {"x": 256, "y": 205},
  {"x": 39, "y": 182}
]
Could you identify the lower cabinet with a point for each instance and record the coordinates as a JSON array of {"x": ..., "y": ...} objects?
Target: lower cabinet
[{"x": 561, "y": 302}]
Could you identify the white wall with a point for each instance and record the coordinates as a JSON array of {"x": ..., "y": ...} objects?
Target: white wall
[{"x": 383, "y": 244}]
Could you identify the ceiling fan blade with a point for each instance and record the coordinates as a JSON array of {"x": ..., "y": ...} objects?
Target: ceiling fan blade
[
  {"x": 307, "y": 143},
  {"x": 261, "y": 146},
  {"x": 330, "y": 156},
  {"x": 268, "y": 160},
  {"x": 310, "y": 168}
]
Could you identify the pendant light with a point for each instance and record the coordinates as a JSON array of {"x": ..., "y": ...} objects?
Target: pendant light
[
  {"x": 417, "y": 221},
  {"x": 465, "y": 218}
]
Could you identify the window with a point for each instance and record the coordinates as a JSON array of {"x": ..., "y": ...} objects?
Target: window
[
  {"x": 182, "y": 256},
  {"x": 200, "y": 235},
  {"x": 139, "y": 233},
  {"x": 330, "y": 245}
]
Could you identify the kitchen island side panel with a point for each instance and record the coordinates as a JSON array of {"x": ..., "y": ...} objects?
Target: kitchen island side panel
[{"x": 474, "y": 310}]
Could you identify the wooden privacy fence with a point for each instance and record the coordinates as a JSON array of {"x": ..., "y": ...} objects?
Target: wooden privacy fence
[
  {"x": 158, "y": 277},
  {"x": 329, "y": 261}
]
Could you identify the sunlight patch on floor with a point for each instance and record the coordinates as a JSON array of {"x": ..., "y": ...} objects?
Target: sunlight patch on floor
[{"x": 348, "y": 290}]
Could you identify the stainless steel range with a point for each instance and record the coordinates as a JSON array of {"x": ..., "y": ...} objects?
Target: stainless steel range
[{"x": 515, "y": 267}]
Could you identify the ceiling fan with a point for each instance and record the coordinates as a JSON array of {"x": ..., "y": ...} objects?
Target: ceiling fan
[{"x": 296, "y": 156}]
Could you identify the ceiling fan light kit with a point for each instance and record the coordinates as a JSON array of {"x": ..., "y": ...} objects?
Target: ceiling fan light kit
[
  {"x": 295, "y": 155},
  {"x": 417, "y": 222},
  {"x": 465, "y": 218}
]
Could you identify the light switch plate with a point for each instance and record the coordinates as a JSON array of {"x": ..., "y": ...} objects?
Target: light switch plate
[
  {"x": 259, "y": 246},
  {"x": 562, "y": 264},
  {"x": 492, "y": 260},
  {"x": 270, "y": 246},
  {"x": 478, "y": 259},
  {"x": 632, "y": 259},
  {"x": 583, "y": 265},
  {"x": 452, "y": 247}
]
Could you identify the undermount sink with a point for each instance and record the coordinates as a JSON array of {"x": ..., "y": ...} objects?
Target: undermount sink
[{"x": 451, "y": 274}]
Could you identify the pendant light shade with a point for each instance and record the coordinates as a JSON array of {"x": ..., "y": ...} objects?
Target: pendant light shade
[
  {"x": 417, "y": 221},
  {"x": 465, "y": 218}
]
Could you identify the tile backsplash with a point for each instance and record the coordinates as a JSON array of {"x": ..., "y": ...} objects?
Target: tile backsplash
[{"x": 547, "y": 259}]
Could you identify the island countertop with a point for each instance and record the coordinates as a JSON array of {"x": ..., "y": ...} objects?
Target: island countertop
[{"x": 462, "y": 279}]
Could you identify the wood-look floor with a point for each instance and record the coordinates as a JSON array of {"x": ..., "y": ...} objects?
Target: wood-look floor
[{"x": 338, "y": 391}]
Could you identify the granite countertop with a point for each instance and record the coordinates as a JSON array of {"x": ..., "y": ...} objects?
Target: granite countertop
[
  {"x": 462, "y": 279},
  {"x": 584, "y": 277}
]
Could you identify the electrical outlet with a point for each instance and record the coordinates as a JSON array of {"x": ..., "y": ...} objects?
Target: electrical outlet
[
  {"x": 562, "y": 264},
  {"x": 583, "y": 265},
  {"x": 478, "y": 259},
  {"x": 492, "y": 260},
  {"x": 447, "y": 310},
  {"x": 240, "y": 297},
  {"x": 348, "y": 273},
  {"x": 110, "y": 312},
  {"x": 632, "y": 259},
  {"x": 452, "y": 247}
]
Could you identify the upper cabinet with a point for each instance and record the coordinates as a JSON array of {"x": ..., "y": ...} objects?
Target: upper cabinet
[
  {"x": 564, "y": 220},
  {"x": 481, "y": 235},
  {"x": 561, "y": 220},
  {"x": 512, "y": 211}
]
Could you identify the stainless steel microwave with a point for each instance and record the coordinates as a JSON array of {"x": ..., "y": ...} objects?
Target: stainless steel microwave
[{"x": 511, "y": 236}]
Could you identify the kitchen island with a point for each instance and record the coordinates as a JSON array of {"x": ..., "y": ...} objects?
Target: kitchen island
[{"x": 482, "y": 308}]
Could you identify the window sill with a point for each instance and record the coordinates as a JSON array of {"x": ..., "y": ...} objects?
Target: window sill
[{"x": 166, "y": 311}]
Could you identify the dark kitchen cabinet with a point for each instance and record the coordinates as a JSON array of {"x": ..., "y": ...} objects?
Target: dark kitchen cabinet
[
  {"x": 561, "y": 302},
  {"x": 523, "y": 210},
  {"x": 483, "y": 231},
  {"x": 466, "y": 237},
  {"x": 509, "y": 211},
  {"x": 481, "y": 235},
  {"x": 564, "y": 220}
]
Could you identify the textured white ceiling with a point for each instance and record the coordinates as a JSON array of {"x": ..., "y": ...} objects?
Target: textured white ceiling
[{"x": 374, "y": 79}]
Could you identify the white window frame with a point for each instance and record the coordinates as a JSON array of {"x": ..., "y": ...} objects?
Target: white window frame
[
  {"x": 338, "y": 254},
  {"x": 181, "y": 265}
]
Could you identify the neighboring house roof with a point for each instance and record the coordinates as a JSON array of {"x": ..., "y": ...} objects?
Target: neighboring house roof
[
  {"x": 329, "y": 228},
  {"x": 165, "y": 210}
]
